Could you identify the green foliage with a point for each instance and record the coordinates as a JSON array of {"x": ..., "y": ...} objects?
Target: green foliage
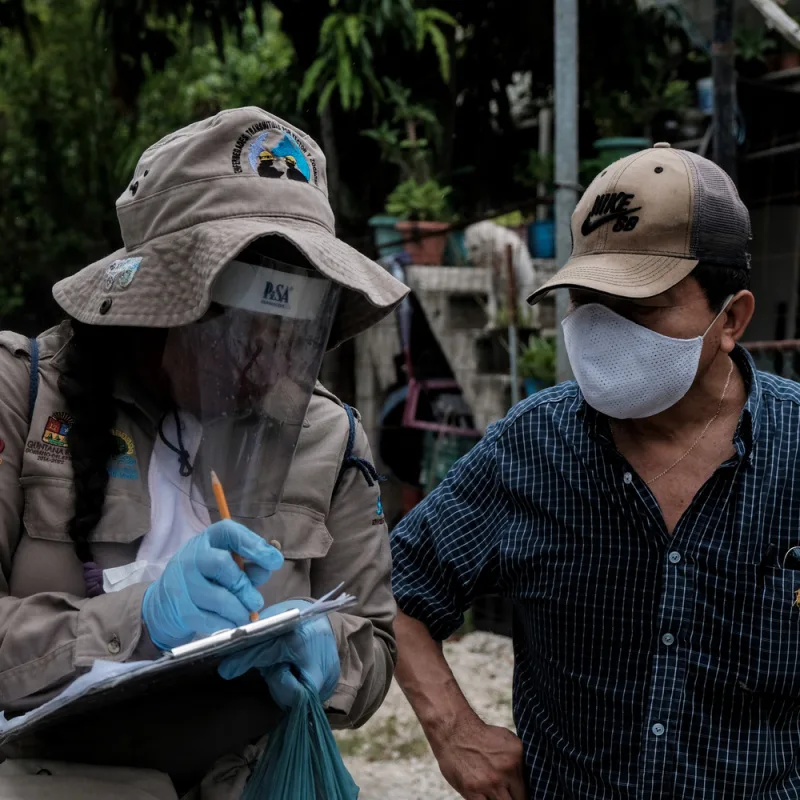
[
  {"x": 59, "y": 139},
  {"x": 66, "y": 151},
  {"x": 347, "y": 41},
  {"x": 513, "y": 219},
  {"x": 538, "y": 360},
  {"x": 417, "y": 201},
  {"x": 655, "y": 89},
  {"x": 401, "y": 144},
  {"x": 344, "y": 62},
  {"x": 753, "y": 44},
  {"x": 625, "y": 114},
  {"x": 428, "y": 23},
  {"x": 86, "y": 85},
  {"x": 537, "y": 169},
  {"x": 198, "y": 81}
]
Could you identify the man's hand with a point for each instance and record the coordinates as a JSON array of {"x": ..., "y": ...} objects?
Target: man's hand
[{"x": 481, "y": 762}]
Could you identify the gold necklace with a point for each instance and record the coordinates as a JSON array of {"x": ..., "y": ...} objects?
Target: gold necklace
[{"x": 702, "y": 433}]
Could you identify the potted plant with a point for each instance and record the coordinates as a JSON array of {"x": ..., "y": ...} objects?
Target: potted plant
[
  {"x": 625, "y": 119},
  {"x": 418, "y": 203},
  {"x": 421, "y": 207},
  {"x": 753, "y": 48},
  {"x": 384, "y": 226},
  {"x": 536, "y": 364}
]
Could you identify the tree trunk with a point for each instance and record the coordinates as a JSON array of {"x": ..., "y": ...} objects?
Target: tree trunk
[{"x": 449, "y": 121}]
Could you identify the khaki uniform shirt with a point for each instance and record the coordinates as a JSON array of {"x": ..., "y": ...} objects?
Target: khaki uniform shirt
[{"x": 50, "y": 632}]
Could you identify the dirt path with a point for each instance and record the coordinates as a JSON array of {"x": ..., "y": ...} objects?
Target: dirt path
[{"x": 389, "y": 757}]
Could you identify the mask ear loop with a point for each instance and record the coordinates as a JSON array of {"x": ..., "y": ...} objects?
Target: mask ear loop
[{"x": 721, "y": 312}]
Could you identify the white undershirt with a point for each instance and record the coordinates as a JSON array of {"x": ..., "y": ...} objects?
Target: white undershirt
[{"x": 174, "y": 518}]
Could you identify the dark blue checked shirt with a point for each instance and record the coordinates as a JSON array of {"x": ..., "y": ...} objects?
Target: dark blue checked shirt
[{"x": 647, "y": 665}]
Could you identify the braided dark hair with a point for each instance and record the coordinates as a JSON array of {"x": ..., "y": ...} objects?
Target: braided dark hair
[{"x": 87, "y": 384}]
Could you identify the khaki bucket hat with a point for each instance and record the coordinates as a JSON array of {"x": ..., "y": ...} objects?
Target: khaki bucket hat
[
  {"x": 646, "y": 221},
  {"x": 197, "y": 199}
]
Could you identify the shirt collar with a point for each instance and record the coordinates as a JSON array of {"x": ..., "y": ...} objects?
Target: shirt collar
[
  {"x": 750, "y": 420},
  {"x": 599, "y": 428},
  {"x": 126, "y": 391}
]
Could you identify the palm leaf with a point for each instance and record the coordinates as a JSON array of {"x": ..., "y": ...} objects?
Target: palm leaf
[
  {"x": 353, "y": 28},
  {"x": 442, "y": 51},
  {"x": 311, "y": 80},
  {"x": 325, "y": 95},
  {"x": 438, "y": 15}
]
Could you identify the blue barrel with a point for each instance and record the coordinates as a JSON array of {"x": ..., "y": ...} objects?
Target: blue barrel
[{"x": 541, "y": 238}]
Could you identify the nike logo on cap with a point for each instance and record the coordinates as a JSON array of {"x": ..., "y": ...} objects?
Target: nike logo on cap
[{"x": 609, "y": 206}]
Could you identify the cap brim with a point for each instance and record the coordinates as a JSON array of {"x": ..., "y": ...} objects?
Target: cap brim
[
  {"x": 631, "y": 275},
  {"x": 172, "y": 286}
]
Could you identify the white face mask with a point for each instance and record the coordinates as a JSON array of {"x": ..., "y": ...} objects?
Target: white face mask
[{"x": 625, "y": 370}]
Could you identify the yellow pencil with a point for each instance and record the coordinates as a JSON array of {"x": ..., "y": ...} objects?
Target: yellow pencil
[{"x": 222, "y": 505}]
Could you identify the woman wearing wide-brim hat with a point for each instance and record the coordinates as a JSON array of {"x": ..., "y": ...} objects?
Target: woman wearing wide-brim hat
[{"x": 194, "y": 348}]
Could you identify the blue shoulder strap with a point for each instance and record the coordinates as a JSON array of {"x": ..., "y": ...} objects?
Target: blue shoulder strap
[
  {"x": 33, "y": 390},
  {"x": 361, "y": 464}
]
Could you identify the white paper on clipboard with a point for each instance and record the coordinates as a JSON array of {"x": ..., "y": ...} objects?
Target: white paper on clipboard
[{"x": 107, "y": 677}]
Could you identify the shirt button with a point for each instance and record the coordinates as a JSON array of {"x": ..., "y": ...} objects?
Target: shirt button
[
  {"x": 658, "y": 729},
  {"x": 674, "y": 557},
  {"x": 276, "y": 544},
  {"x": 627, "y": 478},
  {"x": 114, "y": 645},
  {"x": 668, "y": 639}
]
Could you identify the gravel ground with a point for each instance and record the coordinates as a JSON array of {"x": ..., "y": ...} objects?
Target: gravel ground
[{"x": 389, "y": 757}]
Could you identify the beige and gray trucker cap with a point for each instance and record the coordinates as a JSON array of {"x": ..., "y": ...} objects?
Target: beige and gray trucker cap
[
  {"x": 199, "y": 197},
  {"x": 647, "y": 220}
]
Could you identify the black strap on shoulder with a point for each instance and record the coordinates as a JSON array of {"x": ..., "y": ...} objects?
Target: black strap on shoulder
[
  {"x": 349, "y": 461},
  {"x": 33, "y": 390}
]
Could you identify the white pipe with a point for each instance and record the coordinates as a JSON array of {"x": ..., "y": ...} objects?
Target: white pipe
[
  {"x": 777, "y": 18},
  {"x": 566, "y": 153},
  {"x": 545, "y": 148}
]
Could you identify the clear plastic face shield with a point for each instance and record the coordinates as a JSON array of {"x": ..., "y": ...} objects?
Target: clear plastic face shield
[{"x": 241, "y": 379}]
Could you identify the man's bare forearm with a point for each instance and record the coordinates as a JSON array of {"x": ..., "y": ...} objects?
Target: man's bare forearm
[{"x": 427, "y": 680}]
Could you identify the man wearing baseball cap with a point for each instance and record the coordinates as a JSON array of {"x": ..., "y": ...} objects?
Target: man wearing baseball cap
[{"x": 643, "y": 519}]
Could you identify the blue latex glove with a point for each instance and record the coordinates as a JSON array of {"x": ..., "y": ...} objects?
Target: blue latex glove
[
  {"x": 202, "y": 590},
  {"x": 309, "y": 648}
]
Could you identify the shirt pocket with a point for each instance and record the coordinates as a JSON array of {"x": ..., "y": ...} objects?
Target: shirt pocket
[
  {"x": 49, "y": 506},
  {"x": 772, "y": 636},
  {"x": 45, "y": 559},
  {"x": 302, "y": 537}
]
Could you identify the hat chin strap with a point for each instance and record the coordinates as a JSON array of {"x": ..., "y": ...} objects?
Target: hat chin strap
[{"x": 184, "y": 458}]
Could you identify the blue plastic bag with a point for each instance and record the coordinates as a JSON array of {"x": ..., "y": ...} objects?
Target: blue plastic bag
[{"x": 302, "y": 759}]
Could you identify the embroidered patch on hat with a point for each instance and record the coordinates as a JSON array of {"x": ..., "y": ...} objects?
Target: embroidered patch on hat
[
  {"x": 120, "y": 273},
  {"x": 272, "y": 151},
  {"x": 123, "y": 465}
]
